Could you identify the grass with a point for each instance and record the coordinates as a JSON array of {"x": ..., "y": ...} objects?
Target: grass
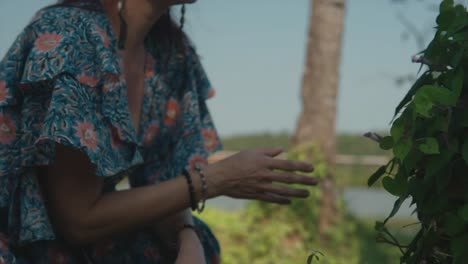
[{"x": 246, "y": 238}]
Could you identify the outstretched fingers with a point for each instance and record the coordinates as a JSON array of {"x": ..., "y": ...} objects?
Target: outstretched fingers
[
  {"x": 270, "y": 152},
  {"x": 289, "y": 165},
  {"x": 290, "y": 178},
  {"x": 268, "y": 197},
  {"x": 284, "y": 191}
]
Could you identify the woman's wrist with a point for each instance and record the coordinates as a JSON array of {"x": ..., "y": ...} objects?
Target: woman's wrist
[{"x": 212, "y": 177}]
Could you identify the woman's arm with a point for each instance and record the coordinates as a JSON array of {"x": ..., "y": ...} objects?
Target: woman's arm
[
  {"x": 82, "y": 214},
  {"x": 191, "y": 249}
]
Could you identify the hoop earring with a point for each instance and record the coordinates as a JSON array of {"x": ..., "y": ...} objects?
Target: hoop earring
[{"x": 123, "y": 25}]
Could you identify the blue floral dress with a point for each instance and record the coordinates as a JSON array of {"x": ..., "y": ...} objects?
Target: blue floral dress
[{"x": 61, "y": 82}]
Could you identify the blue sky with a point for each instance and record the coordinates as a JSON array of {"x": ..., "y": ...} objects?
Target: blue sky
[{"x": 253, "y": 51}]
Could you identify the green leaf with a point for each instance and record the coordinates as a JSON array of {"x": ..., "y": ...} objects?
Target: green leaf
[
  {"x": 411, "y": 160},
  {"x": 463, "y": 212},
  {"x": 397, "y": 186},
  {"x": 458, "y": 247},
  {"x": 454, "y": 224},
  {"x": 423, "y": 105},
  {"x": 436, "y": 95},
  {"x": 462, "y": 117},
  {"x": 402, "y": 148},
  {"x": 416, "y": 189},
  {"x": 457, "y": 58},
  {"x": 446, "y": 13},
  {"x": 396, "y": 208},
  {"x": 430, "y": 95},
  {"x": 376, "y": 176},
  {"x": 398, "y": 129},
  {"x": 386, "y": 143},
  {"x": 425, "y": 78},
  {"x": 465, "y": 151},
  {"x": 436, "y": 164},
  {"x": 457, "y": 85},
  {"x": 429, "y": 146},
  {"x": 390, "y": 185},
  {"x": 437, "y": 205},
  {"x": 446, "y": 5}
]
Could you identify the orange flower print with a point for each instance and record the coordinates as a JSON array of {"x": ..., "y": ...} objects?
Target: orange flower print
[
  {"x": 196, "y": 159},
  {"x": 211, "y": 93},
  {"x": 88, "y": 80},
  {"x": 149, "y": 66},
  {"x": 7, "y": 129},
  {"x": 104, "y": 36},
  {"x": 150, "y": 134},
  {"x": 211, "y": 139},
  {"x": 112, "y": 82},
  {"x": 3, "y": 91},
  {"x": 48, "y": 41},
  {"x": 87, "y": 135},
  {"x": 172, "y": 111}
]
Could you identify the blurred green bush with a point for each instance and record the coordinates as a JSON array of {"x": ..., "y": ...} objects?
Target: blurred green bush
[{"x": 265, "y": 234}]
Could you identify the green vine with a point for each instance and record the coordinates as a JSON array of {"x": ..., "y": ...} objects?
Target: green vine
[{"x": 429, "y": 140}]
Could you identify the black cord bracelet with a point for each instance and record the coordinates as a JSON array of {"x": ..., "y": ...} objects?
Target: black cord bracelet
[{"x": 193, "y": 202}]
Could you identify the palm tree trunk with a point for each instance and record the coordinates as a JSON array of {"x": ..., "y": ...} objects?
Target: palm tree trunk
[{"x": 317, "y": 122}]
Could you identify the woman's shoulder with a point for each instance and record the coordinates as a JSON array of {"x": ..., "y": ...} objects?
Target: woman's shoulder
[
  {"x": 72, "y": 25},
  {"x": 68, "y": 20},
  {"x": 62, "y": 39}
]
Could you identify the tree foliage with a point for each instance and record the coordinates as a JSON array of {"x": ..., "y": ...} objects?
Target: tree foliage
[{"x": 429, "y": 140}]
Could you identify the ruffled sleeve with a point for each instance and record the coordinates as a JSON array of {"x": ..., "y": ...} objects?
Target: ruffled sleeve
[
  {"x": 59, "y": 84},
  {"x": 68, "y": 113},
  {"x": 193, "y": 141}
]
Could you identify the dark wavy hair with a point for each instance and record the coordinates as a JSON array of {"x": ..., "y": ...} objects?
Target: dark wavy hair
[
  {"x": 166, "y": 30},
  {"x": 166, "y": 40}
]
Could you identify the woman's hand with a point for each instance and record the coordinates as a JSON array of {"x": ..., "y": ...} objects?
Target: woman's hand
[
  {"x": 252, "y": 174},
  {"x": 191, "y": 249}
]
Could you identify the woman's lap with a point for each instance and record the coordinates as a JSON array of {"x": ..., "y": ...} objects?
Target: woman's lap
[{"x": 140, "y": 247}]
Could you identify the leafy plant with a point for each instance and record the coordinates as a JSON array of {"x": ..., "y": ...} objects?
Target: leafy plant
[
  {"x": 264, "y": 233},
  {"x": 429, "y": 140}
]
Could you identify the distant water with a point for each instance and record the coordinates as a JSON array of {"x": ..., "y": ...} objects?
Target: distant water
[
  {"x": 361, "y": 202},
  {"x": 374, "y": 203}
]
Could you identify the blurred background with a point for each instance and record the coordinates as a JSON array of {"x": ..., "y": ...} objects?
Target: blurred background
[{"x": 312, "y": 76}]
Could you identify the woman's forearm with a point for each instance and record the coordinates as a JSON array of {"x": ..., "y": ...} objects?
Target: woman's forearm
[
  {"x": 83, "y": 214},
  {"x": 123, "y": 211},
  {"x": 191, "y": 249}
]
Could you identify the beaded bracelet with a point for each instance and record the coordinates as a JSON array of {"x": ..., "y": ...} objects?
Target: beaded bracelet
[
  {"x": 193, "y": 203},
  {"x": 200, "y": 171}
]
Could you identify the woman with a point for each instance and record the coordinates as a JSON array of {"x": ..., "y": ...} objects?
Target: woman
[{"x": 93, "y": 91}]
